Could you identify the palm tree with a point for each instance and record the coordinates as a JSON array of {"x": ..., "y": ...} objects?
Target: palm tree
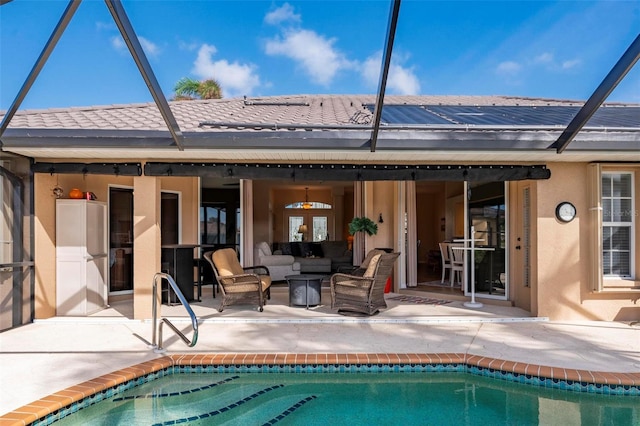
[{"x": 188, "y": 89}]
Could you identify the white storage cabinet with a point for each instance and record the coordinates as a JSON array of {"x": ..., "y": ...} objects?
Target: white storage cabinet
[{"x": 81, "y": 256}]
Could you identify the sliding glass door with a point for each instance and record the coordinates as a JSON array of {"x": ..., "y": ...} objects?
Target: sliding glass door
[{"x": 487, "y": 215}]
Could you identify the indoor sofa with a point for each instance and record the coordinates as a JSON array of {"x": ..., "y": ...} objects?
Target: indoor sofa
[
  {"x": 318, "y": 256},
  {"x": 279, "y": 265}
]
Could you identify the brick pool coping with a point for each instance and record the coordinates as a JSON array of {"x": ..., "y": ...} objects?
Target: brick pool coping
[{"x": 39, "y": 409}]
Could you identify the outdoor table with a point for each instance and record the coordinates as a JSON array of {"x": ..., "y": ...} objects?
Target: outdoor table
[{"x": 305, "y": 289}]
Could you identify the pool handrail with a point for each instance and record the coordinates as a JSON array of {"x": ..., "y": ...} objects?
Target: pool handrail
[{"x": 154, "y": 312}]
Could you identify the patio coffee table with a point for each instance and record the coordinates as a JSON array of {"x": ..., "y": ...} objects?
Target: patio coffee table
[{"x": 305, "y": 289}]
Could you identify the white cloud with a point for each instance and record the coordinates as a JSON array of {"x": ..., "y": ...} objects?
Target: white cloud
[
  {"x": 108, "y": 26},
  {"x": 314, "y": 53},
  {"x": 547, "y": 59},
  {"x": 235, "y": 79},
  {"x": 544, "y": 58},
  {"x": 371, "y": 69},
  {"x": 508, "y": 68},
  {"x": 118, "y": 43},
  {"x": 401, "y": 80},
  {"x": 282, "y": 14},
  {"x": 189, "y": 47},
  {"x": 150, "y": 48},
  {"x": 570, "y": 64}
]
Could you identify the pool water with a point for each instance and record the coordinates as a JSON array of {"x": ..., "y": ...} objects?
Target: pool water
[{"x": 353, "y": 399}]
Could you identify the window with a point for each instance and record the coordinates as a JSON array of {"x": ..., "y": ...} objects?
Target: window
[
  {"x": 319, "y": 228},
  {"x": 213, "y": 224},
  {"x": 294, "y": 228},
  {"x": 308, "y": 228},
  {"x": 312, "y": 205},
  {"x": 617, "y": 224}
]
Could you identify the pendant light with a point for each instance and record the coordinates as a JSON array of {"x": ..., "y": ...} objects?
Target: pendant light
[{"x": 306, "y": 205}]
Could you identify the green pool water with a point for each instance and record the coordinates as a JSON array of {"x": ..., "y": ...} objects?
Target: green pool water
[{"x": 352, "y": 399}]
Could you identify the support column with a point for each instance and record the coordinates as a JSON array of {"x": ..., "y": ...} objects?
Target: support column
[{"x": 146, "y": 246}]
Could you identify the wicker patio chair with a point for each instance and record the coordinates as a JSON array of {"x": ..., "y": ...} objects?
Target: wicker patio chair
[
  {"x": 250, "y": 284},
  {"x": 363, "y": 294},
  {"x": 360, "y": 270}
]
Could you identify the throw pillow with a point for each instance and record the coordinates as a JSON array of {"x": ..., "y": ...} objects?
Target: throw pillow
[
  {"x": 285, "y": 248},
  {"x": 316, "y": 250},
  {"x": 371, "y": 269},
  {"x": 305, "y": 249},
  {"x": 296, "y": 250}
]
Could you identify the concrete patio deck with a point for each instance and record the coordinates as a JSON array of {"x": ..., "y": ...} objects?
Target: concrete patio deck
[{"x": 49, "y": 355}]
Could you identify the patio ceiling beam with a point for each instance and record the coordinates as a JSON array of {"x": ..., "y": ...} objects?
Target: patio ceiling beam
[
  {"x": 131, "y": 39},
  {"x": 117, "y": 169},
  {"x": 384, "y": 71},
  {"x": 37, "y": 67},
  {"x": 349, "y": 172},
  {"x": 617, "y": 73}
]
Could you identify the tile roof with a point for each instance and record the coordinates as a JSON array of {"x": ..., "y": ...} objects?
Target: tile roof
[
  {"x": 258, "y": 130},
  {"x": 282, "y": 110}
]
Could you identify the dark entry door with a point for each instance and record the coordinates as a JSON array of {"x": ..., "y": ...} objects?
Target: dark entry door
[
  {"x": 16, "y": 228},
  {"x": 120, "y": 239}
]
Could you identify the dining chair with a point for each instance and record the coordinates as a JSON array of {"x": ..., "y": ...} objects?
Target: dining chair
[
  {"x": 456, "y": 254},
  {"x": 446, "y": 260}
]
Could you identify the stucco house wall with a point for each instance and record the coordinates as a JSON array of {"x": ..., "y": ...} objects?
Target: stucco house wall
[
  {"x": 144, "y": 258},
  {"x": 564, "y": 289}
]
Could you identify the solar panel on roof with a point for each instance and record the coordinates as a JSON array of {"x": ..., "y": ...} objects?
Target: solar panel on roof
[
  {"x": 507, "y": 115},
  {"x": 408, "y": 114},
  {"x": 615, "y": 117},
  {"x": 553, "y": 115}
]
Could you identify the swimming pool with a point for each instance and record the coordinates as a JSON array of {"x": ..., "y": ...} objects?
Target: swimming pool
[
  {"x": 413, "y": 393},
  {"x": 354, "y": 399}
]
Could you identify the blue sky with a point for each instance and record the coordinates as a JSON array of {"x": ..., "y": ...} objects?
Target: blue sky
[{"x": 560, "y": 49}]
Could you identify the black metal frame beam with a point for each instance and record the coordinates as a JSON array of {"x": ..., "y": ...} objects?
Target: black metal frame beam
[
  {"x": 384, "y": 71},
  {"x": 37, "y": 67},
  {"x": 349, "y": 172},
  {"x": 617, "y": 73},
  {"x": 117, "y": 169},
  {"x": 131, "y": 39}
]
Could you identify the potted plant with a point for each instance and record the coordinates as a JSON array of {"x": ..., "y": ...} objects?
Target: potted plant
[{"x": 363, "y": 224}]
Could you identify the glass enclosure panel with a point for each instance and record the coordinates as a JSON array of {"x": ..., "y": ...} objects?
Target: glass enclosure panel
[
  {"x": 487, "y": 214},
  {"x": 6, "y": 221},
  {"x": 16, "y": 262},
  {"x": 320, "y": 228}
]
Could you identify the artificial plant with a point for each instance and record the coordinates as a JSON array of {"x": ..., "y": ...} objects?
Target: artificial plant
[{"x": 362, "y": 224}]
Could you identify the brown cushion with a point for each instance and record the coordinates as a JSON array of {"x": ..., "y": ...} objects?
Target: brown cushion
[
  {"x": 371, "y": 269},
  {"x": 227, "y": 262}
]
